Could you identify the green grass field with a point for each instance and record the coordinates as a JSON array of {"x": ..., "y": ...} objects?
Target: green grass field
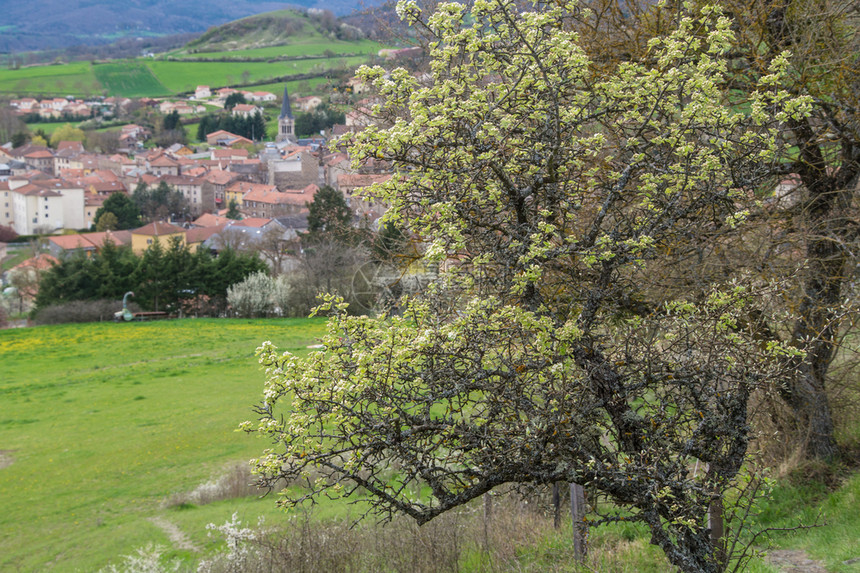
[
  {"x": 158, "y": 78},
  {"x": 64, "y": 79},
  {"x": 185, "y": 76},
  {"x": 311, "y": 46},
  {"x": 130, "y": 78},
  {"x": 103, "y": 422}
]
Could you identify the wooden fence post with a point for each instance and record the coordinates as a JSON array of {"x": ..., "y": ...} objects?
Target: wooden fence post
[
  {"x": 488, "y": 515},
  {"x": 577, "y": 514}
]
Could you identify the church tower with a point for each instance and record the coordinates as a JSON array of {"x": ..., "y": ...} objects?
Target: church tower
[{"x": 286, "y": 121}]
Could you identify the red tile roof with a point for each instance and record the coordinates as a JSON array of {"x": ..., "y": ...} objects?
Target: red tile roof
[
  {"x": 200, "y": 234},
  {"x": 210, "y": 220},
  {"x": 72, "y": 242},
  {"x": 255, "y": 222},
  {"x": 39, "y": 262},
  {"x": 158, "y": 229}
]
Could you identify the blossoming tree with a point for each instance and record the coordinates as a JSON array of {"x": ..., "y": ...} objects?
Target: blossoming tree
[{"x": 554, "y": 345}]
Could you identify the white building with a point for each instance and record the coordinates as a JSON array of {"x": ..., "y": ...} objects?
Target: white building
[{"x": 45, "y": 206}]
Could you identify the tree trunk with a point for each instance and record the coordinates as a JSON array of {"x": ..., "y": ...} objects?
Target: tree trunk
[
  {"x": 817, "y": 328},
  {"x": 808, "y": 400},
  {"x": 825, "y": 219},
  {"x": 718, "y": 533}
]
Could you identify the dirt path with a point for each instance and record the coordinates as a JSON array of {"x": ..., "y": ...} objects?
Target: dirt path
[
  {"x": 793, "y": 561},
  {"x": 6, "y": 458},
  {"x": 177, "y": 538}
]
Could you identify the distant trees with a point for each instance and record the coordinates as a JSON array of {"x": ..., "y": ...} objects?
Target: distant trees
[
  {"x": 67, "y": 132},
  {"x": 320, "y": 119},
  {"x": 252, "y": 127},
  {"x": 233, "y": 210},
  {"x": 10, "y": 126},
  {"x": 160, "y": 203},
  {"x": 106, "y": 142},
  {"x": 328, "y": 213},
  {"x": 171, "y": 121},
  {"x": 125, "y": 212},
  {"x": 7, "y": 234},
  {"x": 233, "y": 100},
  {"x": 162, "y": 278},
  {"x": 260, "y": 295},
  {"x": 107, "y": 222}
]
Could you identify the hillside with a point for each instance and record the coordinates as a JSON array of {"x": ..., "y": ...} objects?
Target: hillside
[
  {"x": 50, "y": 24},
  {"x": 278, "y": 28},
  {"x": 271, "y": 48}
]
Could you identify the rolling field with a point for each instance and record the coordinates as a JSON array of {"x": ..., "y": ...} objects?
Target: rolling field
[
  {"x": 185, "y": 76},
  {"x": 101, "y": 423},
  {"x": 68, "y": 79},
  {"x": 159, "y": 78},
  {"x": 303, "y": 47},
  {"x": 130, "y": 78}
]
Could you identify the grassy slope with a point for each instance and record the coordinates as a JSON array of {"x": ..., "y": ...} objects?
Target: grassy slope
[
  {"x": 158, "y": 78},
  {"x": 106, "y": 421},
  {"x": 298, "y": 47},
  {"x": 185, "y": 76},
  {"x": 130, "y": 78},
  {"x": 838, "y": 538},
  {"x": 74, "y": 79}
]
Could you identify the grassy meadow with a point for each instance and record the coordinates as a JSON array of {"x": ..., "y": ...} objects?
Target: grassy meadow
[
  {"x": 75, "y": 79},
  {"x": 130, "y": 78},
  {"x": 106, "y": 429},
  {"x": 100, "y": 424},
  {"x": 302, "y": 47},
  {"x": 144, "y": 77}
]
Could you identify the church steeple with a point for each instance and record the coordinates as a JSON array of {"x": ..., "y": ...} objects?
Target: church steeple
[
  {"x": 286, "y": 121},
  {"x": 286, "y": 110}
]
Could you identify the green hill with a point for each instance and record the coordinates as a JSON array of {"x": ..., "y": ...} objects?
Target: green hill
[
  {"x": 276, "y": 47},
  {"x": 276, "y": 29}
]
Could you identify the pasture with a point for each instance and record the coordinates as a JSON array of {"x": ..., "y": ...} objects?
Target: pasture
[
  {"x": 100, "y": 424},
  {"x": 105, "y": 430},
  {"x": 131, "y": 78},
  {"x": 162, "y": 77},
  {"x": 308, "y": 46},
  {"x": 184, "y": 76},
  {"x": 76, "y": 79}
]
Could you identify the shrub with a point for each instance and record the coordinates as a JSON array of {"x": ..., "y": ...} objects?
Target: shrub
[
  {"x": 260, "y": 295},
  {"x": 149, "y": 559},
  {"x": 7, "y": 234},
  {"x": 80, "y": 311},
  {"x": 237, "y": 482},
  {"x": 444, "y": 544}
]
